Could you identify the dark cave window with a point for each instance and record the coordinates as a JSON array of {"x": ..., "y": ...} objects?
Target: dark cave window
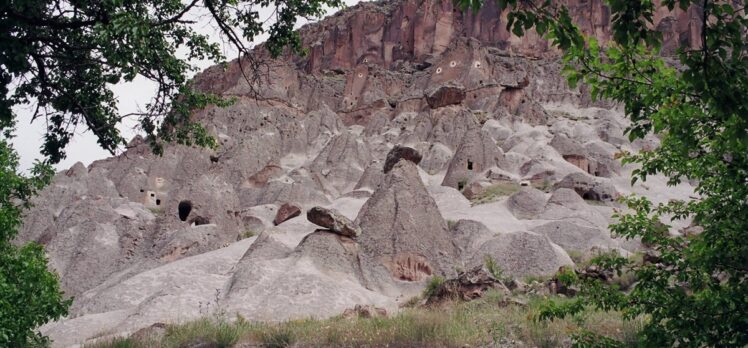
[
  {"x": 460, "y": 185},
  {"x": 184, "y": 208},
  {"x": 470, "y": 165},
  {"x": 141, "y": 190},
  {"x": 158, "y": 202},
  {"x": 153, "y": 195},
  {"x": 590, "y": 196}
]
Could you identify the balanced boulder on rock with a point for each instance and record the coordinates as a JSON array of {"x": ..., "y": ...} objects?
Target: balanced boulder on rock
[
  {"x": 401, "y": 152},
  {"x": 334, "y": 221}
]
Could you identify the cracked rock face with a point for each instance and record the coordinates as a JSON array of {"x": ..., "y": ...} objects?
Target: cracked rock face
[{"x": 401, "y": 113}]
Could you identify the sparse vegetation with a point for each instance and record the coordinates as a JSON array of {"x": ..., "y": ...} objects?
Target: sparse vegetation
[
  {"x": 451, "y": 223},
  {"x": 434, "y": 283},
  {"x": 493, "y": 268},
  {"x": 483, "y": 322},
  {"x": 496, "y": 191},
  {"x": 545, "y": 186},
  {"x": 576, "y": 256},
  {"x": 246, "y": 234}
]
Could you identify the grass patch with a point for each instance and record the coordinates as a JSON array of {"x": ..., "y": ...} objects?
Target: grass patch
[
  {"x": 545, "y": 185},
  {"x": 493, "y": 268},
  {"x": 495, "y": 192},
  {"x": 434, "y": 283},
  {"x": 246, "y": 234},
  {"x": 451, "y": 224},
  {"x": 484, "y": 322}
]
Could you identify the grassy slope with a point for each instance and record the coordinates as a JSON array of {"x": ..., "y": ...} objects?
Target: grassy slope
[{"x": 489, "y": 321}]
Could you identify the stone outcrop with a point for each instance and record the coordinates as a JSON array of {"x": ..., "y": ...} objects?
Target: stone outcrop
[
  {"x": 527, "y": 203},
  {"x": 445, "y": 95},
  {"x": 574, "y": 236},
  {"x": 588, "y": 187},
  {"x": 404, "y": 236},
  {"x": 522, "y": 254},
  {"x": 467, "y": 286}
]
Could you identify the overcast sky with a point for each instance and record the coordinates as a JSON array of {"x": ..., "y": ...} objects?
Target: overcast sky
[{"x": 83, "y": 147}]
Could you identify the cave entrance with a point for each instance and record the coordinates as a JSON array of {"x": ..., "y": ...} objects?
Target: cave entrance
[
  {"x": 590, "y": 196},
  {"x": 184, "y": 208},
  {"x": 469, "y": 165}
]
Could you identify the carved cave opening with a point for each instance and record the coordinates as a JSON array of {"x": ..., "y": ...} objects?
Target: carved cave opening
[{"x": 184, "y": 208}]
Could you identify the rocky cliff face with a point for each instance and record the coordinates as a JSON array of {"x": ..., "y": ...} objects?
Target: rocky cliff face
[{"x": 139, "y": 239}]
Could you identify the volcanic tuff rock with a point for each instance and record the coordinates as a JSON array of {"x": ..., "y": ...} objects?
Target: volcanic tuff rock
[
  {"x": 401, "y": 152},
  {"x": 334, "y": 221},
  {"x": 140, "y": 239},
  {"x": 404, "y": 234}
]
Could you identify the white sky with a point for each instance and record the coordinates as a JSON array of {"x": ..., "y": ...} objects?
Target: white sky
[{"x": 83, "y": 147}]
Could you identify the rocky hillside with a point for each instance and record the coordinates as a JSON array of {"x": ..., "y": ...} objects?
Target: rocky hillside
[{"x": 412, "y": 141}]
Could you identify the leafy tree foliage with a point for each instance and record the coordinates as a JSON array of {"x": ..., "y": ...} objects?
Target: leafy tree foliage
[
  {"x": 29, "y": 293},
  {"x": 64, "y": 56},
  {"x": 693, "y": 290}
]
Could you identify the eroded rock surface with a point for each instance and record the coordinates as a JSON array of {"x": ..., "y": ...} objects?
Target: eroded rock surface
[{"x": 400, "y": 108}]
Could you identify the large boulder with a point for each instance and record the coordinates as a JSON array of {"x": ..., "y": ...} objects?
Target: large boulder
[
  {"x": 567, "y": 204},
  {"x": 444, "y": 95},
  {"x": 468, "y": 235},
  {"x": 404, "y": 236},
  {"x": 401, "y": 152},
  {"x": 527, "y": 203},
  {"x": 575, "y": 236},
  {"x": 334, "y": 221},
  {"x": 522, "y": 254}
]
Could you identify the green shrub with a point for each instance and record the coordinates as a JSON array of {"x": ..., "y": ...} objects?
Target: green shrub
[
  {"x": 246, "y": 234},
  {"x": 30, "y": 294},
  {"x": 493, "y": 268},
  {"x": 433, "y": 285},
  {"x": 277, "y": 337}
]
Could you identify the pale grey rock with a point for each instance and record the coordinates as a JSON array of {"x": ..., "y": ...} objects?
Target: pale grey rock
[
  {"x": 522, "y": 254},
  {"x": 342, "y": 161},
  {"x": 575, "y": 237},
  {"x": 436, "y": 156},
  {"x": 497, "y": 131},
  {"x": 527, "y": 203},
  {"x": 404, "y": 236},
  {"x": 468, "y": 236},
  {"x": 372, "y": 176}
]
